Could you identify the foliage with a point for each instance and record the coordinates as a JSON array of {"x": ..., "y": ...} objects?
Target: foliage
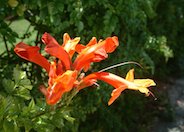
[{"x": 150, "y": 32}]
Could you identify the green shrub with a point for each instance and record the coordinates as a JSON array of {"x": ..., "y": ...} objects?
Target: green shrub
[{"x": 150, "y": 33}]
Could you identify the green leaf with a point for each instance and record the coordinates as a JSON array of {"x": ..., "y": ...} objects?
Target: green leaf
[
  {"x": 148, "y": 7},
  {"x": 1, "y": 124},
  {"x": 8, "y": 85},
  {"x": 164, "y": 48},
  {"x": 2, "y": 108},
  {"x": 149, "y": 61},
  {"x": 58, "y": 120},
  {"x": 60, "y": 6},
  {"x": 24, "y": 93},
  {"x": 80, "y": 26},
  {"x": 7, "y": 126},
  {"x": 43, "y": 124},
  {"x": 26, "y": 83},
  {"x": 13, "y": 3},
  {"x": 18, "y": 74},
  {"x": 5, "y": 104},
  {"x": 28, "y": 124},
  {"x": 20, "y": 10},
  {"x": 69, "y": 118},
  {"x": 43, "y": 13},
  {"x": 10, "y": 126},
  {"x": 31, "y": 104}
]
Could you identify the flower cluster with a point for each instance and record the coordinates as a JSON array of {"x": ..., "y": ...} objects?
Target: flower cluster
[{"x": 64, "y": 75}]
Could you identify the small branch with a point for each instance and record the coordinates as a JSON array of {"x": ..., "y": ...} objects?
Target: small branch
[
  {"x": 27, "y": 30},
  {"x": 37, "y": 38},
  {"x": 46, "y": 112},
  {"x": 59, "y": 106},
  {"x": 6, "y": 46}
]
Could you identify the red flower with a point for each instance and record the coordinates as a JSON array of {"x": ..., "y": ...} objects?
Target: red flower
[
  {"x": 31, "y": 53},
  {"x": 54, "y": 49}
]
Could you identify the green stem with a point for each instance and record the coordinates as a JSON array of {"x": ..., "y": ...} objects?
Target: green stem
[
  {"x": 27, "y": 30},
  {"x": 6, "y": 46},
  {"x": 60, "y": 106}
]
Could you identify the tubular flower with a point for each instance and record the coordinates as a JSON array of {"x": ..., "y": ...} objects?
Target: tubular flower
[
  {"x": 58, "y": 85},
  {"x": 56, "y": 50},
  {"x": 119, "y": 83},
  {"x": 70, "y": 44},
  {"x": 95, "y": 52},
  {"x": 65, "y": 75},
  {"x": 31, "y": 53}
]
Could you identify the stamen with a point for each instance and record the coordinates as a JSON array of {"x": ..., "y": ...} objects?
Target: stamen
[
  {"x": 52, "y": 88},
  {"x": 152, "y": 95},
  {"x": 81, "y": 76},
  {"x": 96, "y": 84},
  {"x": 120, "y": 64}
]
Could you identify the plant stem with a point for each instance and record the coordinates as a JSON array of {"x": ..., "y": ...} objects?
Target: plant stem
[
  {"x": 69, "y": 99},
  {"x": 27, "y": 30},
  {"x": 37, "y": 38},
  {"x": 6, "y": 46}
]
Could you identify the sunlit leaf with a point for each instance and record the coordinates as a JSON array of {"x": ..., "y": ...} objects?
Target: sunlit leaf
[
  {"x": 24, "y": 93},
  {"x": 18, "y": 74},
  {"x": 31, "y": 104},
  {"x": 26, "y": 83},
  {"x": 69, "y": 118}
]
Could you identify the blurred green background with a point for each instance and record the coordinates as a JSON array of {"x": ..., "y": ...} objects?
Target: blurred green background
[{"x": 150, "y": 32}]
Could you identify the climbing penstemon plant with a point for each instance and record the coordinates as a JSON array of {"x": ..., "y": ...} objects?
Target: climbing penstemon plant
[{"x": 66, "y": 75}]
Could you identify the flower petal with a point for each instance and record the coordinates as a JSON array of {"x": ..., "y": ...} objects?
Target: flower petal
[
  {"x": 144, "y": 90},
  {"x": 109, "y": 78},
  {"x": 115, "y": 94},
  {"x": 31, "y": 53},
  {"x": 54, "y": 49},
  {"x": 93, "y": 41},
  {"x": 60, "y": 85},
  {"x": 111, "y": 44},
  {"x": 87, "y": 81},
  {"x": 117, "y": 82},
  {"x": 95, "y": 52},
  {"x": 130, "y": 75},
  {"x": 67, "y": 79},
  {"x": 60, "y": 69},
  {"x": 80, "y": 47},
  {"x": 54, "y": 93},
  {"x": 70, "y": 44},
  {"x": 142, "y": 85},
  {"x": 145, "y": 82},
  {"x": 52, "y": 74}
]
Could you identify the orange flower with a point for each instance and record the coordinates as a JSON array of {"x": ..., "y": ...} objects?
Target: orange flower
[
  {"x": 58, "y": 85},
  {"x": 54, "y": 49},
  {"x": 119, "y": 83},
  {"x": 70, "y": 44},
  {"x": 65, "y": 75},
  {"x": 31, "y": 53},
  {"x": 94, "y": 52},
  {"x": 132, "y": 84}
]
